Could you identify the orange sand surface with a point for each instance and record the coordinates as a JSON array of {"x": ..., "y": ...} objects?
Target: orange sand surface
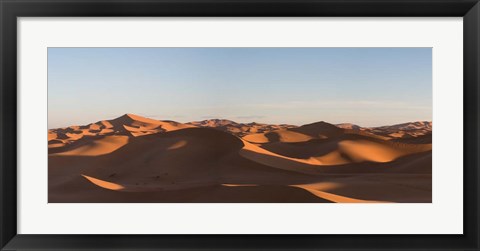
[{"x": 136, "y": 159}]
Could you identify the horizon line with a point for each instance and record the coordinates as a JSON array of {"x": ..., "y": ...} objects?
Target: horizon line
[{"x": 217, "y": 118}]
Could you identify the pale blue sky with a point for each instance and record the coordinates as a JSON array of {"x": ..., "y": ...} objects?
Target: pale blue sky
[{"x": 365, "y": 86}]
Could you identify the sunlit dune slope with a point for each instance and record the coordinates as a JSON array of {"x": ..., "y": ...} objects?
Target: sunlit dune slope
[
  {"x": 406, "y": 132},
  {"x": 92, "y": 147}
]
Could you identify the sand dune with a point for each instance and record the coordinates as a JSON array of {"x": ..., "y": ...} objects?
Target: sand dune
[
  {"x": 320, "y": 130},
  {"x": 129, "y": 125},
  {"x": 238, "y": 129},
  {"x": 136, "y": 159},
  {"x": 405, "y": 132}
]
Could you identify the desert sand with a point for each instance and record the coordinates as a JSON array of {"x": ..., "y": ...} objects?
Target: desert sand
[{"x": 137, "y": 159}]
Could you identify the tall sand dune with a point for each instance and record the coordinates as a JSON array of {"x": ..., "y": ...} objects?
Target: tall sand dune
[{"x": 129, "y": 125}]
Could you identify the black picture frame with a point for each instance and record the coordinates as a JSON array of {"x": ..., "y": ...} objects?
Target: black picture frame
[{"x": 11, "y": 9}]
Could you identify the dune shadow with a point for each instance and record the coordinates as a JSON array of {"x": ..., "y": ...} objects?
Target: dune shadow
[
  {"x": 412, "y": 188},
  {"x": 85, "y": 191},
  {"x": 272, "y": 137},
  {"x": 303, "y": 150},
  {"x": 259, "y": 194}
]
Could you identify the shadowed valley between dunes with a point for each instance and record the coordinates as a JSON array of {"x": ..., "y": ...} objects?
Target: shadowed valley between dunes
[{"x": 136, "y": 159}]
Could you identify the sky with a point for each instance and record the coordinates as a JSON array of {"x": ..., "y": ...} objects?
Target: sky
[{"x": 364, "y": 86}]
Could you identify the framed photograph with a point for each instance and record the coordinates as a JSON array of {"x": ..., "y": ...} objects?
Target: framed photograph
[{"x": 199, "y": 125}]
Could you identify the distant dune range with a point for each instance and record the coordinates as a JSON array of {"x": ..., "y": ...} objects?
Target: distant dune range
[{"x": 136, "y": 159}]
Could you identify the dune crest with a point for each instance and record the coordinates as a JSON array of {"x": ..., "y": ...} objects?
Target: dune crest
[{"x": 104, "y": 184}]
